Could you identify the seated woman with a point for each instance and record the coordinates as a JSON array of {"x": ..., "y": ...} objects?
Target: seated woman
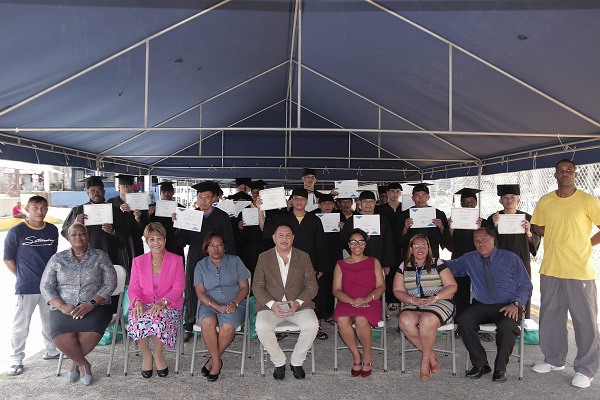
[
  {"x": 221, "y": 282},
  {"x": 425, "y": 289},
  {"x": 358, "y": 284},
  {"x": 156, "y": 299},
  {"x": 78, "y": 284}
]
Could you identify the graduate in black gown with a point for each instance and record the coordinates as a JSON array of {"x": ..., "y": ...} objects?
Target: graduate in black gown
[
  {"x": 522, "y": 244},
  {"x": 166, "y": 194}
]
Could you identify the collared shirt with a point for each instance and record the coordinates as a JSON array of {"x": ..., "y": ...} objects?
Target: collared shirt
[
  {"x": 78, "y": 282},
  {"x": 508, "y": 274},
  {"x": 284, "y": 268}
]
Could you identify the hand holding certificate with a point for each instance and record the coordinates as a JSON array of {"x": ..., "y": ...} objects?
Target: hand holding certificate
[
  {"x": 347, "y": 189},
  {"x": 273, "y": 199},
  {"x": 331, "y": 222},
  {"x": 250, "y": 216},
  {"x": 137, "y": 201},
  {"x": 511, "y": 224},
  {"x": 190, "y": 220},
  {"x": 98, "y": 214},
  {"x": 422, "y": 217},
  {"x": 464, "y": 218},
  {"x": 368, "y": 223}
]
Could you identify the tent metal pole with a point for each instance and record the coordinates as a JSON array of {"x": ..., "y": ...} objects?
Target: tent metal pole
[
  {"x": 450, "y": 83},
  {"x": 299, "y": 89},
  {"x": 146, "y": 83}
]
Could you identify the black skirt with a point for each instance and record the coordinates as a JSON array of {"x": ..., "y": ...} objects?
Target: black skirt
[{"x": 95, "y": 321}]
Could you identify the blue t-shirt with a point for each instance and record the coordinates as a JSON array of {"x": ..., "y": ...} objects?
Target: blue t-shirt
[{"x": 30, "y": 248}]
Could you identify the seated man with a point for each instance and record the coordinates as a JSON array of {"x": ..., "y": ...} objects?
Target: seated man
[
  {"x": 277, "y": 301},
  {"x": 501, "y": 288},
  {"x": 18, "y": 212}
]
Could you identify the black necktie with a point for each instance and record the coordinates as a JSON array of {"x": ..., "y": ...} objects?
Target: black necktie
[{"x": 488, "y": 279}]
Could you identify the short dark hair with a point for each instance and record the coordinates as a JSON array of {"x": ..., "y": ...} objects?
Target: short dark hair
[
  {"x": 565, "y": 160},
  {"x": 360, "y": 232},
  {"x": 210, "y": 237},
  {"x": 37, "y": 199},
  {"x": 488, "y": 231},
  {"x": 283, "y": 224}
]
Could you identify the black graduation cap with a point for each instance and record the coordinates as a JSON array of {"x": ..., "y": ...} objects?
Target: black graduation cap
[
  {"x": 325, "y": 197},
  {"x": 508, "y": 189},
  {"x": 394, "y": 185},
  {"x": 381, "y": 189},
  {"x": 309, "y": 171},
  {"x": 125, "y": 179},
  {"x": 208, "y": 186},
  {"x": 166, "y": 186},
  {"x": 468, "y": 192},
  {"x": 93, "y": 181},
  {"x": 420, "y": 187},
  {"x": 259, "y": 184},
  {"x": 240, "y": 196},
  {"x": 242, "y": 181},
  {"x": 367, "y": 195},
  {"x": 299, "y": 192}
]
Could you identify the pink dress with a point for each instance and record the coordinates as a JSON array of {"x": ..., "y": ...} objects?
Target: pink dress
[{"x": 358, "y": 280}]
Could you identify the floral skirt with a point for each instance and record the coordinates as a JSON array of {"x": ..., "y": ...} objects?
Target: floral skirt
[{"x": 165, "y": 327}]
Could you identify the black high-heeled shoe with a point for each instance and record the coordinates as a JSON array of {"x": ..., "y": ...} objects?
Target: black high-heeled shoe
[
  {"x": 163, "y": 372},
  {"x": 147, "y": 374},
  {"x": 211, "y": 377},
  {"x": 204, "y": 371}
]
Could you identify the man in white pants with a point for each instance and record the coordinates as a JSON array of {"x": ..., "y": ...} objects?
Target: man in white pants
[
  {"x": 284, "y": 285},
  {"x": 565, "y": 219},
  {"x": 27, "y": 248}
]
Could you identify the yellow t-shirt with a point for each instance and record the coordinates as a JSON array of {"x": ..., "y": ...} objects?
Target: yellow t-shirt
[{"x": 568, "y": 226}]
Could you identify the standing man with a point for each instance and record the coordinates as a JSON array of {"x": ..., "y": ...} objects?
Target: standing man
[
  {"x": 284, "y": 285},
  {"x": 501, "y": 287},
  {"x": 166, "y": 194},
  {"x": 565, "y": 219},
  {"x": 27, "y": 248},
  {"x": 309, "y": 178}
]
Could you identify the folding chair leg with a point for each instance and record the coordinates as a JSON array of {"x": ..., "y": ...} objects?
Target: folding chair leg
[
  {"x": 60, "y": 363},
  {"x": 194, "y": 353}
]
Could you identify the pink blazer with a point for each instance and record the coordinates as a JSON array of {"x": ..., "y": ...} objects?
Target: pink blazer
[{"x": 170, "y": 285}]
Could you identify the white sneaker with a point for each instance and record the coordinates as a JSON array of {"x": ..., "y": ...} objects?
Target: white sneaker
[
  {"x": 544, "y": 367},
  {"x": 581, "y": 381}
]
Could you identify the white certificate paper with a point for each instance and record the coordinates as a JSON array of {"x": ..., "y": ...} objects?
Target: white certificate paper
[
  {"x": 273, "y": 199},
  {"x": 228, "y": 206},
  {"x": 98, "y": 214},
  {"x": 240, "y": 205},
  {"x": 464, "y": 218},
  {"x": 347, "y": 189},
  {"x": 165, "y": 208},
  {"x": 250, "y": 216},
  {"x": 422, "y": 217},
  {"x": 407, "y": 201},
  {"x": 370, "y": 188},
  {"x": 511, "y": 224},
  {"x": 368, "y": 223},
  {"x": 330, "y": 221},
  {"x": 137, "y": 201},
  {"x": 190, "y": 220}
]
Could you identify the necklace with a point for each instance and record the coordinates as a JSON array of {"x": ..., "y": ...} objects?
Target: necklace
[
  {"x": 156, "y": 264},
  {"x": 363, "y": 258},
  {"x": 79, "y": 255}
]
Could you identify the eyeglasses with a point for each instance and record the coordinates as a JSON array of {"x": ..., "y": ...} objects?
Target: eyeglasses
[
  {"x": 420, "y": 246},
  {"x": 216, "y": 245},
  {"x": 354, "y": 242}
]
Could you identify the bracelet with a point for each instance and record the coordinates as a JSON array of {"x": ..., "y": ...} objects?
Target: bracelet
[
  {"x": 236, "y": 304},
  {"x": 372, "y": 297},
  {"x": 209, "y": 304}
]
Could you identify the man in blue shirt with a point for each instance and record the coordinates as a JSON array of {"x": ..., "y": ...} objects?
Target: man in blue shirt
[
  {"x": 27, "y": 248},
  {"x": 501, "y": 287}
]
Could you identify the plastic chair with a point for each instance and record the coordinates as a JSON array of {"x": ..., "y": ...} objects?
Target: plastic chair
[
  {"x": 242, "y": 330},
  {"x": 491, "y": 328},
  {"x": 447, "y": 330},
  {"x": 288, "y": 327},
  {"x": 113, "y": 327},
  {"x": 381, "y": 328}
]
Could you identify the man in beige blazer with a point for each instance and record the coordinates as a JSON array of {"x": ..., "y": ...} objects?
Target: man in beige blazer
[{"x": 277, "y": 301}]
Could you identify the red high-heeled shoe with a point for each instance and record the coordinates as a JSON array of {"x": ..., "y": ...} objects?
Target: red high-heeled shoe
[
  {"x": 364, "y": 373},
  {"x": 356, "y": 372}
]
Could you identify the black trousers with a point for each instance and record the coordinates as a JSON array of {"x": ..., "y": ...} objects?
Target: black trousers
[{"x": 506, "y": 333}]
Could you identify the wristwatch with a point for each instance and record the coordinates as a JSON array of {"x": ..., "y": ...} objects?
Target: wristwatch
[
  {"x": 94, "y": 303},
  {"x": 516, "y": 304}
]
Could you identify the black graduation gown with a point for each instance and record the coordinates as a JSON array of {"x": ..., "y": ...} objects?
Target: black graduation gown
[
  {"x": 394, "y": 218},
  {"x": 436, "y": 238},
  {"x": 462, "y": 243},
  {"x": 167, "y": 222},
  {"x": 136, "y": 230}
]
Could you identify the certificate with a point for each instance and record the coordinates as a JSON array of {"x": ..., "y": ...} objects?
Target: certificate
[
  {"x": 98, "y": 214},
  {"x": 228, "y": 206},
  {"x": 190, "y": 220},
  {"x": 273, "y": 199},
  {"x": 422, "y": 217},
  {"x": 165, "y": 208},
  {"x": 511, "y": 224},
  {"x": 250, "y": 216},
  {"x": 240, "y": 205},
  {"x": 137, "y": 201},
  {"x": 369, "y": 188},
  {"x": 347, "y": 189},
  {"x": 464, "y": 218},
  {"x": 331, "y": 222},
  {"x": 407, "y": 201},
  {"x": 368, "y": 223}
]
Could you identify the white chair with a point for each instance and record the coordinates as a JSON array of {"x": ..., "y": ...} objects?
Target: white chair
[
  {"x": 113, "y": 327},
  {"x": 491, "y": 328},
  {"x": 286, "y": 327},
  {"x": 446, "y": 330},
  {"x": 381, "y": 328},
  {"x": 242, "y": 330}
]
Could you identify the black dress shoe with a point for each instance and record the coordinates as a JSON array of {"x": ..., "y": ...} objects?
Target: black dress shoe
[
  {"x": 147, "y": 374},
  {"x": 499, "y": 376},
  {"x": 163, "y": 372},
  {"x": 279, "y": 373},
  {"x": 477, "y": 372},
  {"x": 187, "y": 336},
  {"x": 298, "y": 371},
  {"x": 204, "y": 371},
  {"x": 211, "y": 377}
]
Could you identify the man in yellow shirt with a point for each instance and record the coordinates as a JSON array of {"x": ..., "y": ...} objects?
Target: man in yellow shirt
[{"x": 565, "y": 219}]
